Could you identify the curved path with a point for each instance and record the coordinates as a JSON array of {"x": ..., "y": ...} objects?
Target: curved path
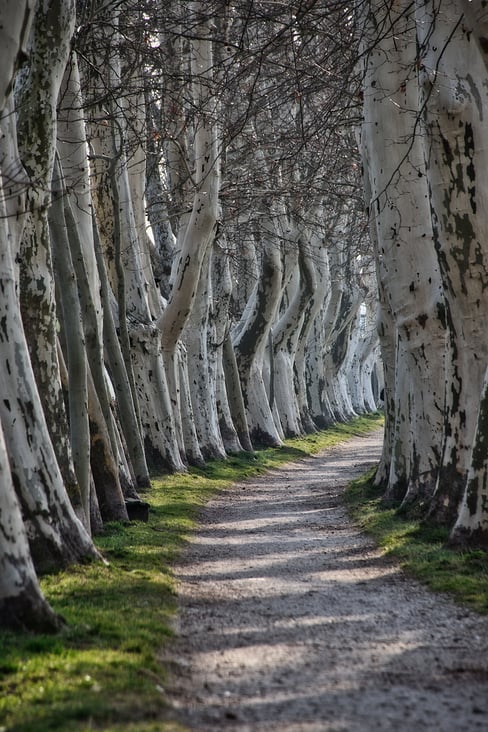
[{"x": 292, "y": 621}]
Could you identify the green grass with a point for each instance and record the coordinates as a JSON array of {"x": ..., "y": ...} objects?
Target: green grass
[
  {"x": 102, "y": 672},
  {"x": 419, "y": 548}
]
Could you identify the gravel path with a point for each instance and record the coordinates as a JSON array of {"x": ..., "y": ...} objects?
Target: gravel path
[{"x": 292, "y": 621}]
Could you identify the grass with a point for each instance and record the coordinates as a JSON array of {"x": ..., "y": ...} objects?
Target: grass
[
  {"x": 419, "y": 548},
  {"x": 105, "y": 671}
]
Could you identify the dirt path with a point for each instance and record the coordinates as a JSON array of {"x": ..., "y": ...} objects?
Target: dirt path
[{"x": 292, "y": 621}]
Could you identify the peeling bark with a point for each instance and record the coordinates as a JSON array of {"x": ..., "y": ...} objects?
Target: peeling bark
[
  {"x": 411, "y": 297},
  {"x": 22, "y": 605},
  {"x": 36, "y": 93},
  {"x": 250, "y": 345},
  {"x": 455, "y": 107}
]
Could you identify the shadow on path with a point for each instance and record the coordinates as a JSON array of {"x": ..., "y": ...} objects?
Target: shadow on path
[{"x": 291, "y": 620}]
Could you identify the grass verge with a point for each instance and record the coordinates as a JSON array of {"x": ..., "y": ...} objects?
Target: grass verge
[
  {"x": 103, "y": 671},
  {"x": 420, "y": 549}
]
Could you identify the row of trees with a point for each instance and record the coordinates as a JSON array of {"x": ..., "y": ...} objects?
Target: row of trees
[
  {"x": 185, "y": 270},
  {"x": 185, "y": 261}
]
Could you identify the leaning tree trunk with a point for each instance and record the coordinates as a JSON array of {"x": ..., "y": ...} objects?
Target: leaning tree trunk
[
  {"x": 37, "y": 90},
  {"x": 317, "y": 278},
  {"x": 251, "y": 341},
  {"x": 336, "y": 383},
  {"x": 363, "y": 359},
  {"x": 286, "y": 337},
  {"x": 143, "y": 346},
  {"x": 74, "y": 341},
  {"x": 57, "y": 537},
  {"x": 22, "y": 605},
  {"x": 220, "y": 322},
  {"x": 318, "y": 401},
  {"x": 155, "y": 197},
  {"x": 78, "y": 207},
  {"x": 128, "y": 271},
  {"x": 199, "y": 230},
  {"x": 327, "y": 352},
  {"x": 98, "y": 386}
]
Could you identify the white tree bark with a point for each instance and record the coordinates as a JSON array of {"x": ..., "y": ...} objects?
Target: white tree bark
[
  {"x": 317, "y": 264},
  {"x": 74, "y": 340},
  {"x": 319, "y": 404},
  {"x": 328, "y": 394},
  {"x": 37, "y": 90},
  {"x": 251, "y": 341},
  {"x": 56, "y": 535},
  {"x": 220, "y": 320},
  {"x": 197, "y": 234},
  {"x": 131, "y": 277},
  {"x": 455, "y": 98},
  {"x": 79, "y": 213},
  {"x": 286, "y": 337},
  {"x": 406, "y": 261},
  {"x": 387, "y": 339},
  {"x": 22, "y": 604},
  {"x": 198, "y": 337},
  {"x": 156, "y": 201},
  {"x": 123, "y": 395},
  {"x": 200, "y": 229},
  {"x": 471, "y": 527},
  {"x": 476, "y": 17}
]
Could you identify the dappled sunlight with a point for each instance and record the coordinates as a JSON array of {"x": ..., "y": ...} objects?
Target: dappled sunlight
[{"x": 294, "y": 621}]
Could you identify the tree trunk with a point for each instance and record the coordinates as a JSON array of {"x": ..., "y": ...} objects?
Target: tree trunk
[
  {"x": 317, "y": 264},
  {"x": 476, "y": 17},
  {"x": 22, "y": 604},
  {"x": 104, "y": 469},
  {"x": 407, "y": 266},
  {"x": 197, "y": 234},
  {"x": 251, "y": 341},
  {"x": 471, "y": 527},
  {"x": 220, "y": 320},
  {"x": 157, "y": 208},
  {"x": 455, "y": 106},
  {"x": 37, "y": 90},
  {"x": 15, "y": 26},
  {"x": 286, "y": 337},
  {"x": 123, "y": 394},
  {"x": 79, "y": 215},
  {"x": 74, "y": 341},
  {"x": 202, "y": 367},
  {"x": 56, "y": 535},
  {"x": 201, "y": 227}
]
